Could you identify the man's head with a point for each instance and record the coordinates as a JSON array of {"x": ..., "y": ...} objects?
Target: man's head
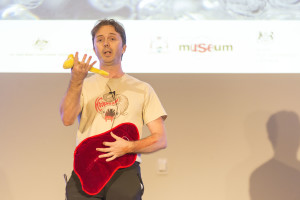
[
  {"x": 118, "y": 27},
  {"x": 109, "y": 42}
]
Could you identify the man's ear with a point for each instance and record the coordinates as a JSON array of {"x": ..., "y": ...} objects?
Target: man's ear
[
  {"x": 94, "y": 46},
  {"x": 124, "y": 48}
]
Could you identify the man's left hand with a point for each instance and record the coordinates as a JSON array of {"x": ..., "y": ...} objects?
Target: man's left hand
[{"x": 115, "y": 149}]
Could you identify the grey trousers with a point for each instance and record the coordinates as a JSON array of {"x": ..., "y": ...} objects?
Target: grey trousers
[{"x": 125, "y": 184}]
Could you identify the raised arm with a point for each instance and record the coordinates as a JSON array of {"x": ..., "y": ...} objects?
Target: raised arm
[{"x": 70, "y": 105}]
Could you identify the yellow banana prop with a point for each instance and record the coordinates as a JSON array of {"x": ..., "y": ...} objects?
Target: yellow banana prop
[{"x": 70, "y": 62}]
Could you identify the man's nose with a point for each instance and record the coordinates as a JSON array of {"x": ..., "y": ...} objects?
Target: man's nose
[{"x": 106, "y": 43}]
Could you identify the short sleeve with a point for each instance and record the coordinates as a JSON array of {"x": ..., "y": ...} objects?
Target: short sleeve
[{"x": 153, "y": 108}]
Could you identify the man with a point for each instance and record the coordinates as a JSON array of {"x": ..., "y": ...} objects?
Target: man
[{"x": 101, "y": 103}]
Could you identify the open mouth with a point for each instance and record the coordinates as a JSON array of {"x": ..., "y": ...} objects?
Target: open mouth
[{"x": 107, "y": 53}]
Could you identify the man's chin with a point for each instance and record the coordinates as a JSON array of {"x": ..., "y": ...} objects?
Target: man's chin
[{"x": 108, "y": 63}]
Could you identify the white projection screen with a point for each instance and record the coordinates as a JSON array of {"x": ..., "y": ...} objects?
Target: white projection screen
[{"x": 166, "y": 36}]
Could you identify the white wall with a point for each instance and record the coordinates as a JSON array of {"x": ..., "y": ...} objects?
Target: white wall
[{"x": 217, "y": 137}]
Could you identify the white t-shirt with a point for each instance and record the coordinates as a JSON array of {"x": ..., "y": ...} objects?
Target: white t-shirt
[{"x": 126, "y": 99}]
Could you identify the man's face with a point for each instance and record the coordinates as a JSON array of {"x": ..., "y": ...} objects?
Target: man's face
[{"x": 108, "y": 46}]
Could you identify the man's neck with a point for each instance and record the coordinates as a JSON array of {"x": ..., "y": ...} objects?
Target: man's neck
[{"x": 115, "y": 71}]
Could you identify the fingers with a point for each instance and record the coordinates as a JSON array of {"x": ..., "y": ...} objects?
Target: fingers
[
  {"x": 110, "y": 156},
  {"x": 109, "y": 144},
  {"x": 85, "y": 61},
  {"x": 81, "y": 68},
  {"x": 113, "y": 150},
  {"x": 114, "y": 136},
  {"x": 91, "y": 65},
  {"x": 106, "y": 155},
  {"x": 104, "y": 150},
  {"x": 85, "y": 64},
  {"x": 76, "y": 58},
  {"x": 84, "y": 57}
]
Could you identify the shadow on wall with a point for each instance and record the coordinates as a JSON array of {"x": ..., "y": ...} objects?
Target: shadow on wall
[
  {"x": 279, "y": 178},
  {"x": 5, "y": 192}
]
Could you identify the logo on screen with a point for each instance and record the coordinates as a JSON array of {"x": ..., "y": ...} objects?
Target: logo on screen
[
  {"x": 159, "y": 45},
  {"x": 205, "y": 47},
  {"x": 40, "y": 44},
  {"x": 265, "y": 36}
]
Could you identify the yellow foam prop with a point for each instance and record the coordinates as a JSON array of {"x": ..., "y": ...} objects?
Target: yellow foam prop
[{"x": 69, "y": 63}]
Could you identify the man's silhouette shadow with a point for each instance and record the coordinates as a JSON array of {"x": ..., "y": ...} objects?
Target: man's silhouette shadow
[{"x": 279, "y": 178}]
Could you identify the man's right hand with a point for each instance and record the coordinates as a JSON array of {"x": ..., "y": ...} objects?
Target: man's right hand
[{"x": 81, "y": 68}]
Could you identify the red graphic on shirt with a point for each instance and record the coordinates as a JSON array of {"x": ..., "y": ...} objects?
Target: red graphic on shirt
[{"x": 111, "y": 106}]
